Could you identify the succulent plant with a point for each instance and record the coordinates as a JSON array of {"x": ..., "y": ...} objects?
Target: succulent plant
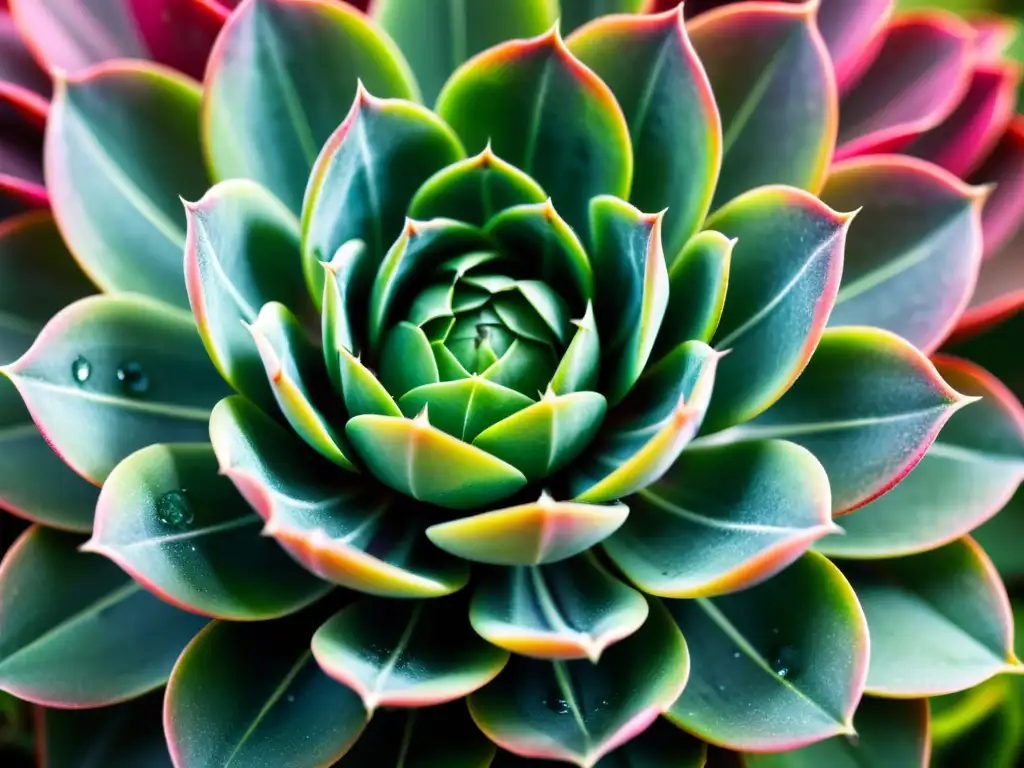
[{"x": 586, "y": 416}]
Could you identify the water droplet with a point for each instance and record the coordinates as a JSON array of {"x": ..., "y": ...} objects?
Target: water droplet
[
  {"x": 174, "y": 509},
  {"x": 134, "y": 380},
  {"x": 290, "y": 698},
  {"x": 786, "y": 661},
  {"x": 81, "y": 369},
  {"x": 557, "y": 705},
  {"x": 736, "y": 655}
]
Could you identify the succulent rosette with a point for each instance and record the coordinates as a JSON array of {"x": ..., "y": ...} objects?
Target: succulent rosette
[{"x": 560, "y": 421}]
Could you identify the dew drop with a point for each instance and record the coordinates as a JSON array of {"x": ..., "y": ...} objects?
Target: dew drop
[
  {"x": 557, "y": 705},
  {"x": 134, "y": 380},
  {"x": 736, "y": 654},
  {"x": 290, "y": 698},
  {"x": 785, "y": 661},
  {"x": 81, "y": 369},
  {"x": 174, "y": 509}
]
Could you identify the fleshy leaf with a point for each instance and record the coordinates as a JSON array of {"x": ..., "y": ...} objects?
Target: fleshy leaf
[
  {"x": 525, "y": 98},
  {"x": 762, "y": 679},
  {"x": 723, "y": 518},
  {"x": 361, "y": 389},
  {"x": 853, "y": 31},
  {"x": 653, "y": 71},
  {"x": 544, "y": 531},
  {"x": 77, "y": 631},
  {"x": 580, "y": 366},
  {"x": 463, "y": 408},
  {"x": 24, "y": 85},
  {"x": 122, "y": 143},
  {"x": 340, "y": 327},
  {"x": 407, "y": 360},
  {"x": 912, "y": 256},
  {"x": 109, "y": 375},
  {"x": 783, "y": 278},
  {"x": 337, "y": 525},
  {"x": 962, "y": 627},
  {"x": 182, "y": 531},
  {"x": 252, "y": 694},
  {"x": 578, "y": 711},
  {"x": 773, "y": 84},
  {"x": 278, "y": 83},
  {"x": 1004, "y": 210},
  {"x": 406, "y": 654},
  {"x": 573, "y": 609}
]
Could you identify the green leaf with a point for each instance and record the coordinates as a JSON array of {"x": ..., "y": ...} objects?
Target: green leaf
[
  {"x": 296, "y": 375},
  {"x": 438, "y": 37},
  {"x": 429, "y": 465},
  {"x": 774, "y": 88},
  {"x": 408, "y": 360},
  {"x": 341, "y": 527},
  {"x": 252, "y": 694},
  {"x": 241, "y": 252},
  {"x": 763, "y": 679},
  {"x": 577, "y": 711},
  {"x": 365, "y": 178},
  {"x": 890, "y": 734},
  {"x": 526, "y": 98},
  {"x": 999, "y": 538},
  {"x": 723, "y": 518},
  {"x": 631, "y": 288},
  {"x": 340, "y": 326},
  {"x": 580, "y": 365},
  {"x": 544, "y": 531},
  {"x": 646, "y": 434},
  {"x": 962, "y": 626},
  {"x": 361, "y": 389},
  {"x": 868, "y": 405},
  {"x": 783, "y": 278},
  {"x": 544, "y": 437},
  {"x": 573, "y": 609},
  {"x": 968, "y": 474},
  {"x": 78, "y": 632},
  {"x": 993, "y": 733},
  {"x": 474, "y": 190},
  {"x": 653, "y": 71},
  {"x": 181, "y": 530},
  {"x": 912, "y": 257},
  {"x": 122, "y": 143},
  {"x": 278, "y": 83},
  {"x": 406, "y": 654},
  {"x": 464, "y": 408},
  {"x": 109, "y": 375}
]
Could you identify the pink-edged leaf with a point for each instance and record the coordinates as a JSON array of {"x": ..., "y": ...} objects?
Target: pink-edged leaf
[
  {"x": 1004, "y": 212},
  {"x": 853, "y": 31},
  {"x": 921, "y": 73},
  {"x": 23, "y": 85},
  {"x": 999, "y": 293},
  {"x": 21, "y": 170}
]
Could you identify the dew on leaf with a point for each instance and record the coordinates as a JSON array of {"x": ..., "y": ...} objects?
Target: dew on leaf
[
  {"x": 174, "y": 509},
  {"x": 134, "y": 380},
  {"x": 81, "y": 369},
  {"x": 785, "y": 661},
  {"x": 557, "y": 704}
]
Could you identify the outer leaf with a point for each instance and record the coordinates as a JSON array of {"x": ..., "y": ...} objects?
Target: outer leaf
[
  {"x": 762, "y": 679},
  {"x": 337, "y": 525},
  {"x": 773, "y": 84},
  {"x": 122, "y": 143},
  {"x": 722, "y": 519},
  {"x": 407, "y": 654},
  {"x": 1004, "y": 210},
  {"x": 783, "y": 279},
  {"x": 577, "y": 711},
  {"x": 525, "y": 98},
  {"x": 968, "y": 474},
  {"x": 111, "y": 374},
  {"x": 182, "y": 531},
  {"x": 251, "y": 694},
  {"x": 25, "y": 85},
  {"x": 76, "y": 631},
  {"x": 912, "y": 257},
  {"x": 438, "y": 37},
  {"x": 853, "y": 31},
  {"x": 290, "y": 68},
  {"x": 952, "y": 597},
  {"x": 651, "y": 67}
]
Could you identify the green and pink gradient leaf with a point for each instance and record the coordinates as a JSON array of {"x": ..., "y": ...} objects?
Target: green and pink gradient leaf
[
  {"x": 783, "y": 277},
  {"x": 365, "y": 178},
  {"x": 853, "y": 31},
  {"x": 547, "y": 114},
  {"x": 723, "y": 518},
  {"x": 280, "y": 79},
  {"x": 762, "y": 678},
  {"x": 653, "y": 71},
  {"x": 890, "y": 734},
  {"x": 252, "y": 694},
  {"x": 241, "y": 252},
  {"x": 24, "y": 86},
  {"x": 122, "y": 148},
  {"x": 182, "y": 531},
  {"x": 76, "y": 631},
  {"x": 868, "y": 405},
  {"x": 920, "y": 74},
  {"x": 573, "y": 609},
  {"x": 774, "y": 87},
  {"x": 957, "y": 606},
  {"x": 406, "y": 654},
  {"x": 968, "y": 474},
  {"x": 438, "y": 36},
  {"x": 577, "y": 711},
  {"x": 337, "y": 525},
  {"x": 913, "y": 255},
  {"x": 109, "y": 375}
]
